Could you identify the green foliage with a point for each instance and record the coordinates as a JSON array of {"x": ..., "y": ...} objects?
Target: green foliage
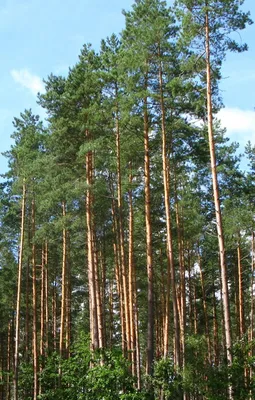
[
  {"x": 101, "y": 375},
  {"x": 26, "y": 381},
  {"x": 166, "y": 380},
  {"x": 243, "y": 361}
]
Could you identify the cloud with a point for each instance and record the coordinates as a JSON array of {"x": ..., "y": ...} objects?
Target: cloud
[
  {"x": 240, "y": 124},
  {"x": 28, "y": 80}
]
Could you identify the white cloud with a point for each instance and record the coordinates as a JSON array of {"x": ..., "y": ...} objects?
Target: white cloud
[
  {"x": 28, "y": 80},
  {"x": 240, "y": 124}
]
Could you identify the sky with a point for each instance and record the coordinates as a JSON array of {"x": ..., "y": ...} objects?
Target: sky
[{"x": 40, "y": 37}]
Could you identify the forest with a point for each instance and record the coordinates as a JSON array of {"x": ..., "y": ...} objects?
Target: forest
[{"x": 127, "y": 224}]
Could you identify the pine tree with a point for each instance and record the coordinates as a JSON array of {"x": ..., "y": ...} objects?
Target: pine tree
[{"x": 217, "y": 20}]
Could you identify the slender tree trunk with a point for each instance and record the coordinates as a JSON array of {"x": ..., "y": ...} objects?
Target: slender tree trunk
[
  {"x": 240, "y": 291},
  {"x": 224, "y": 278},
  {"x": 46, "y": 300},
  {"x": 207, "y": 332},
  {"x": 170, "y": 257},
  {"x": 215, "y": 331},
  {"x": 28, "y": 306},
  {"x": 150, "y": 326},
  {"x": 90, "y": 246},
  {"x": 109, "y": 337},
  {"x": 35, "y": 349},
  {"x": 63, "y": 286},
  {"x": 9, "y": 358},
  {"x": 236, "y": 291},
  {"x": 162, "y": 333},
  {"x": 182, "y": 275},
  {"x": 54, "y": 316},
  {"x": 117, "y": 271},
  {"x": 98, "y": 299},
  {"x": 131, "y": 274},
  {"x": 68, "y": 299},
  {"x": 42, "y": 317},
  {"x": 191, "y": 297},
  {"x": 252, "y": 302},
  {"x": 17, "y": 329},
  {"x": 2, "y": 368},
  {"x": 103, "y": 290},
  {"x": 42, "y": 335},
  {"x": 195, "y": 308},
  {"x": 133, "y": 308},
  {"x": 137, "y": 340},
  {"x": 121, "y": 232}
]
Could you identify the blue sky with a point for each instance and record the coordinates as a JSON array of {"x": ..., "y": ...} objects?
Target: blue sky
[{"x": 38, "y": 37}]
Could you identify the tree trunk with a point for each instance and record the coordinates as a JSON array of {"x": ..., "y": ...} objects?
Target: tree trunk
[
  {"x": 9, "y": 358},
  {"x": 34, "y": 275},
  {"x": 68, "y": 299},
  {"x": 42, "y": 335},
  {"x": 131, "y": 274},
  {"x": 90, "y": 246},
  {"x": 54, "y": 316},
  {"x": 46, "y": 300},
  {"x": 182, "y": 275},
  {"x": 224, "y": 278},
  {"x": 17, "y": 329},
  {"x": 169, "y": 244},
  {"x": 215, "y": 331},
  {"x": 117, "y": 270},
  {"x": 98, "y": 299},
  {"x": 150, "y": 326},
  {"x": 42, "y": 317},
  {"x": 121, "y": 232},
  {"x": 207, "y": 332},
  {"x": 240, "y": 291},
  {"x": 133, "y": 308},
  {"x": 252, "y": 302},
  {"x": 63, "y": 285}
]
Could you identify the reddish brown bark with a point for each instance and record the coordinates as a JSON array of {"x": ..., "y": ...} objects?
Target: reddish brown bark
[
  {"x": 17, "y": 324},
  {"x": 90, "y": 249},
  {"x": 224, "y": 278},
  {"x": 34, "y": 284},
  {"x": 150, "y": 324}
]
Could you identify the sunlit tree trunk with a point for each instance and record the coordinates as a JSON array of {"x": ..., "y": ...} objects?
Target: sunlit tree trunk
[
  {"x": 215, "y": 331},
  {"x": 150, "y": 324},
  {"x": 28, "y": 305},
  {"x": 240, "y": 290},
  {"x": 131, "y": 276},
  {"x": 224, "y": 277},
  {"x": 182, "y": 275},
  {"x": 117, "y": 271},
  {"x": 90, "y": 247},
  {"x": 68, "y": 299},
  {"x": 252, "y": 301},
  {"x": 63, "y": 285},
  {"x": 46, "y": 300},
  {"x": 54, "y": 316},
  {"x": 98, "y": 298},
  {"x": 42, "y": 317},
  {"x": 207, "y": 332},
  {"x": 123, "y": 267},
  {"x": 133, "y": 307},
  {"x": 17, "y": 327},
  {"x": 42, "y": 313},
  {"x": 34, "y": 278},
  {"x": 9, "y": 362},
  {"x": 169, "y": 244}
]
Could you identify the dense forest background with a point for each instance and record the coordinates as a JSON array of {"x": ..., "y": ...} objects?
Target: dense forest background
[{"x": 127, "y": 224}]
